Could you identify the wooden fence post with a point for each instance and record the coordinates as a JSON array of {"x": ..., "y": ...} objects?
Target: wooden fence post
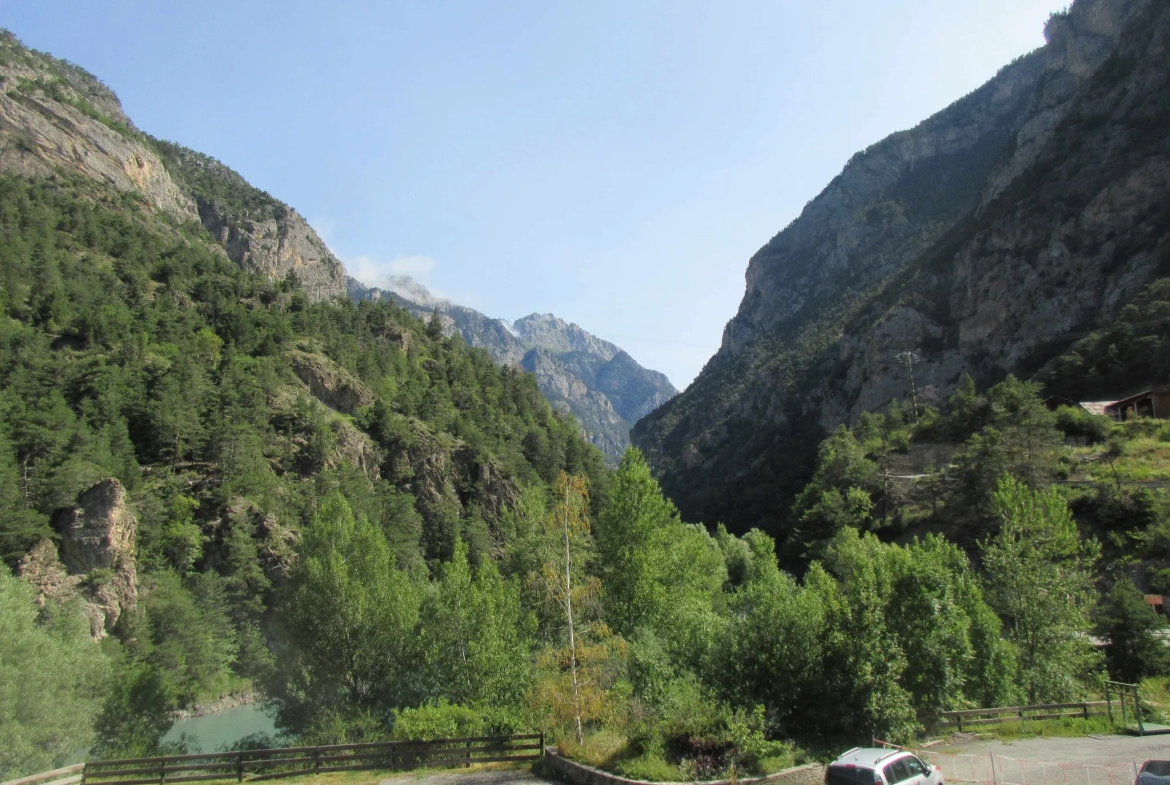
[
  {"x": 240, "y": 768},
  {"x": 468, "y": 764},
  {"x": 162, "y": 772}
]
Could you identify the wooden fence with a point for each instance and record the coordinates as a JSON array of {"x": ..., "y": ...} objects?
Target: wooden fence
[
  {"x": 1044, "y": 711},
  {"x": 294, "y": 761},
  {"x": 66, "y": 776}
]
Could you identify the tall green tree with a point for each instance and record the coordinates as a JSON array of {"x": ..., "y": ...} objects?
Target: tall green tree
[
  {"x": 1039, "y": 579},
  {"x": 52, "y": 682},
  {"x": 657, "y": 572},
  {"x": 347, "y": 620},
  {"x": 477, "y": 640},
  {"x": 1129, "y": 624}
]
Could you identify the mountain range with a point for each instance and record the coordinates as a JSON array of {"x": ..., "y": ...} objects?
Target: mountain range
[
  {"x": 597, "y": 382},
  {"x": 992, "y": 238},
  {"x": 54, "y": 115}
]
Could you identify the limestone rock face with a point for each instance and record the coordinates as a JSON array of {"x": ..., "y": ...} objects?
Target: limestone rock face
[
  {"x": 53, "y": 114},
  {"x": 257, "y": 231},
  {"x": 568, "y": 392},
  {"x": 1029, "y": 209},
  {"x": 96, "y": 561},
  {"x": 56, "y": 117},
  {"x": 579, "y": 373},
  {"x": 99, "y": 532}
]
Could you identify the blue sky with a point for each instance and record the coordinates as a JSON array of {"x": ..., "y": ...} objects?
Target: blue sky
[{"x": 614, "y": 162}]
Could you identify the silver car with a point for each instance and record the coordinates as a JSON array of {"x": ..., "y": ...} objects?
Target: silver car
[{"x": 877, "y": 766}]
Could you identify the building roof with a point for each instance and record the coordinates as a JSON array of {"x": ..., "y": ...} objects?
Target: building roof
[
  {"x": 1096, "y": 407},
  {"x": 1164, "y": 390}
]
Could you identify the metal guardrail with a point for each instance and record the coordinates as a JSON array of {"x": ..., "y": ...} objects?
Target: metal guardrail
[
  {"x": 294, "y": 761},
  {"x": 1042, "y": 711}
]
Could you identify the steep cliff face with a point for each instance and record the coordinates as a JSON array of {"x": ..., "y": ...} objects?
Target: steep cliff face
[
  {"x": 259, "y": 233},
  {"x": 579, "y": 373},
  {"x": 55, "y": 117},
  {"x": 1030, "y": 209}
]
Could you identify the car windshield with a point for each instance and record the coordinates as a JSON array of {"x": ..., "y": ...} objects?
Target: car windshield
[
  {"x": 844, "y": 774},
  {"x": 1159, "y": 768}
]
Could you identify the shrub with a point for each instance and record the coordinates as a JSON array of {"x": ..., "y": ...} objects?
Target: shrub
[{"x": 1075, "y": 421}]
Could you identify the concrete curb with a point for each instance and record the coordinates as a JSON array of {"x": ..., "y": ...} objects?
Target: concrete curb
[{"x": 580, "y": 774}]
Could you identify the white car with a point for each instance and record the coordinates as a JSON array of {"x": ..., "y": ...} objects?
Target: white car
[{"x": 877, "y": 766}]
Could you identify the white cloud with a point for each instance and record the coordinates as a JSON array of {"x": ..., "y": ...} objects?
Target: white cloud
[
  {"x": 374, "y": 272},
  {"x": 414, "y": 266}
]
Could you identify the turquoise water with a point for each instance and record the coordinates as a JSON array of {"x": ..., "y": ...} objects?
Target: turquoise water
[{"x": 212, "y": 731}]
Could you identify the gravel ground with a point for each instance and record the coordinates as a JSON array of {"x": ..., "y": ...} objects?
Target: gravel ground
[{"x": 1092, "y": 750}]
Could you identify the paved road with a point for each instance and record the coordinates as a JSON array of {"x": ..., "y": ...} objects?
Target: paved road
[
  {"x": 1085, "y": 749},
  {"x": 489, "y": 777}
]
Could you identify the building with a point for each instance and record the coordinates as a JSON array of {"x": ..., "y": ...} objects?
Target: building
[{"x": 1150, "y": 403}]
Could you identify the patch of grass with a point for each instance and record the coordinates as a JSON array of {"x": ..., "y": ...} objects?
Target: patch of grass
[
  {"x": 612, "y": 752},
  {"x": 651, "y": 767},
  {"x": 1066, "y": 727},
  {"x": 777, "y": 763},
  {"x": 597, "y": 749}
]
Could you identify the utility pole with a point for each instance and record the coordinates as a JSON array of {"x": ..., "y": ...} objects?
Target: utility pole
[{"x": 908, "y": 358}]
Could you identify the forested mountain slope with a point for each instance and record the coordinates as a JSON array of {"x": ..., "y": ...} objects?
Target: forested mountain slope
[
  {"x": 178, "y": 394},
  {"x": 599, "y": 383},
  {"x": 984, "y": 240}
]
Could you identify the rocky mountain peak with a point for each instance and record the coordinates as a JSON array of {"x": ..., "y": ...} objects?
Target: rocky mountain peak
[{"x": 558, "y": 335}]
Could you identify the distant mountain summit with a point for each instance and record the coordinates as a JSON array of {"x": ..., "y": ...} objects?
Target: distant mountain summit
[{"x": 594, "y": 380}]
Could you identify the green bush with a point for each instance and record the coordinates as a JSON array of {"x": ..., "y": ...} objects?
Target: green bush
[
  {"x": 444, "y": 720},
  {"x": 1075, "y": 421}
]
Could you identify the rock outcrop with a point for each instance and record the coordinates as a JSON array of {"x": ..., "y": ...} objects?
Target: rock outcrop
[
  {"x": 95, "y": 563},
  {"x": 579, "y": 373},
  {"x": 331, "y": 384},
  {"x": 979, "y": 240}
]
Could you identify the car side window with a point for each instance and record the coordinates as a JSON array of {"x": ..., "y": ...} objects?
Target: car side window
[
  {"x": 914, "y": 766},
  {"x": 896, "y": 772}
]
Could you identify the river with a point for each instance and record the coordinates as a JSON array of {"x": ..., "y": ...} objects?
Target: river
[{"x": 210, "y": 732}]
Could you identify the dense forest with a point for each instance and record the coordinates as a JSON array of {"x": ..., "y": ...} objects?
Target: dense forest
[{"x": 389, "y": 536}]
